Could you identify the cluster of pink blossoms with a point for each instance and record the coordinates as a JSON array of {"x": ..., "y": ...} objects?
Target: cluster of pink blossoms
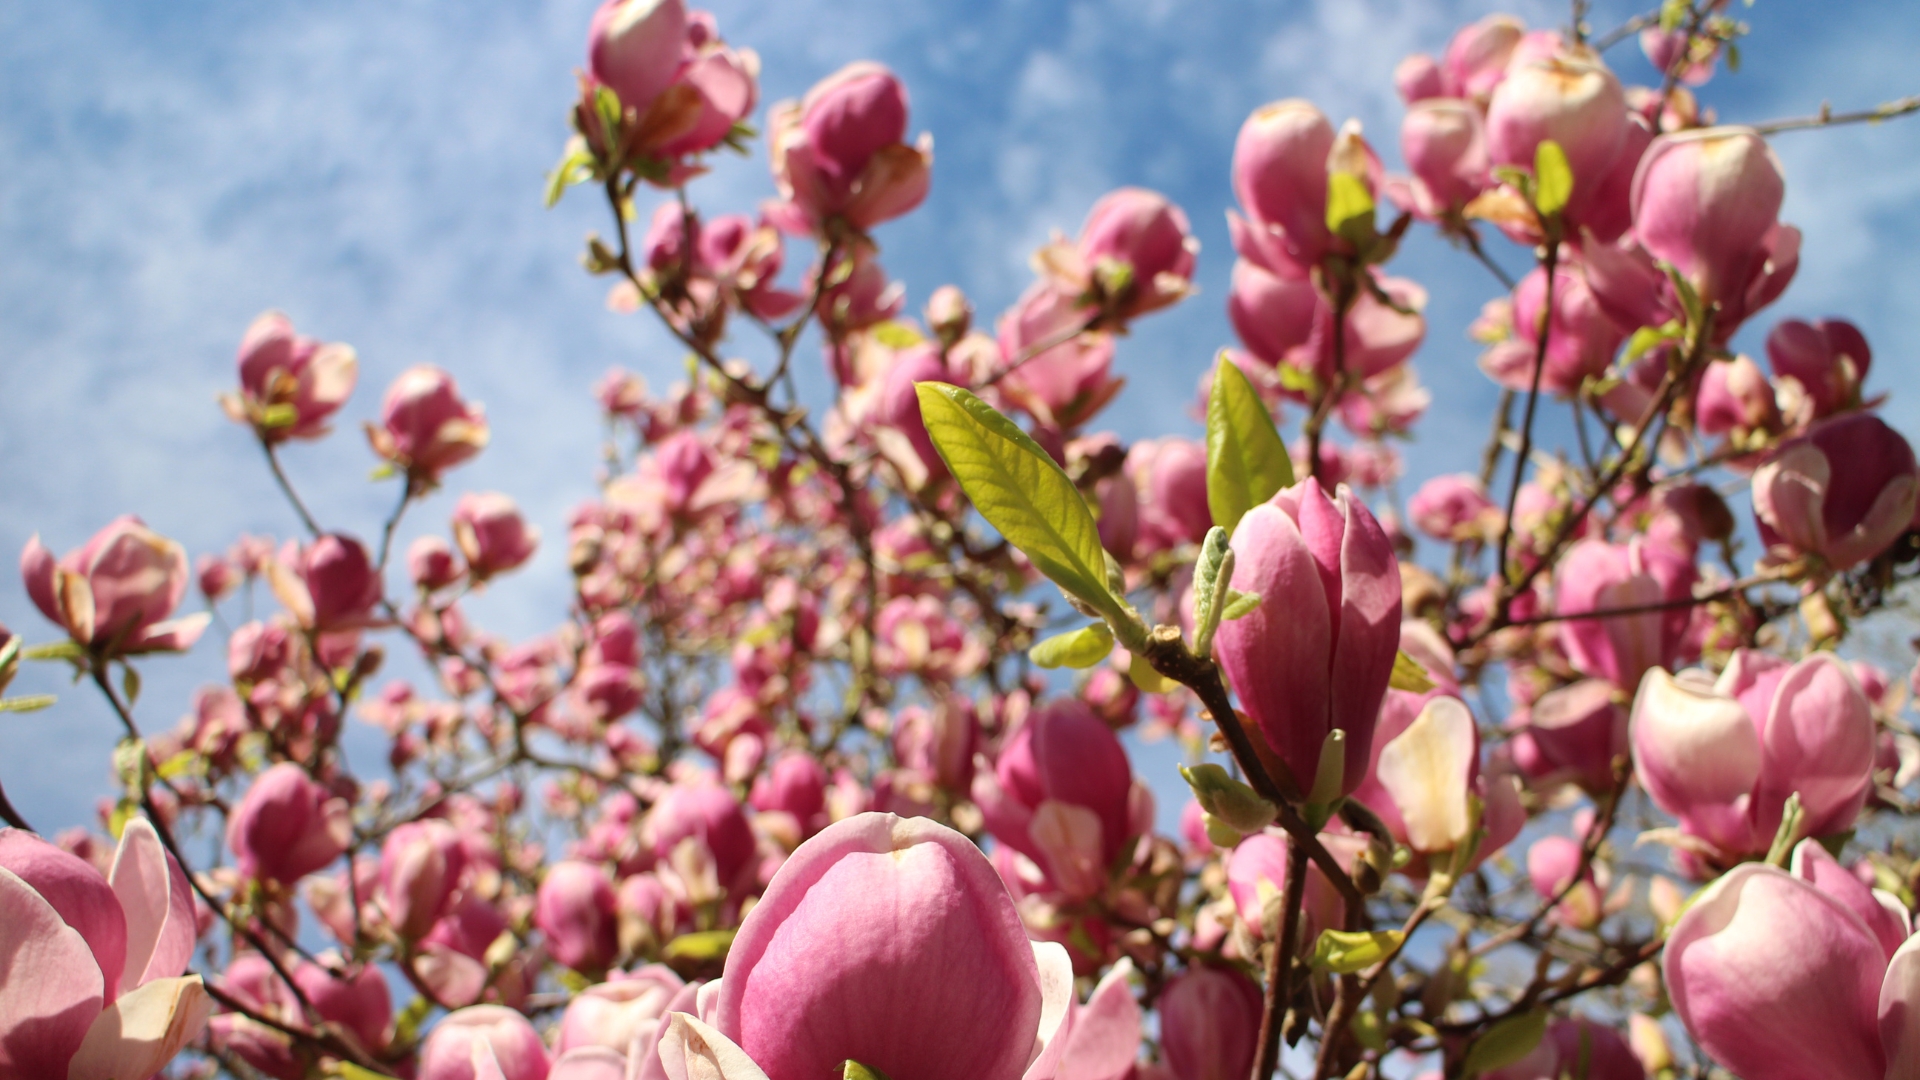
[{"x": 1520, "y": 779}]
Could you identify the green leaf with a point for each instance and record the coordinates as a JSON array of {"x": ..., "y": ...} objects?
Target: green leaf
[
  {"x": 1246, "y": 461},
  {"x": 576, "y": 167},
  {"x": 1239, "y": 605},
  {"x": 1020, "y": 491},
  {"x": 130, "y": 683},
  {"x": 1552, "y": 178},
  {"x": 56, "y": 650},
  {"x": 350, "y": 1071},
  {"x": 1345, "y": 952},
  {"x": 28, "y": 703},
  {"x": 278, "y": 416},
  {"x": 1506, "y": 1042},
  {"x": 701, "y": 945},
  {"x": 856, "y": 1071},
  {"x": 1409, "y": 675},
  {"x": 1648, "y": 338},
  {"x": 895, "y": 334},
  {"x": 406, "y": 1026},
  {"x": 1299, "y": 380},
  {"x": 1350, "y": 208},
  {"x": 1211, "y": 573},
  {"x": 1080, "y": 648},
  {"x": 1147, "y": 679}
]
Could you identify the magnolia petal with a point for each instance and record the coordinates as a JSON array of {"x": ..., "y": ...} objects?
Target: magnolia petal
[
  {"x": 589, "y": 1063},
  {"x": 486, "y": 1064},
  {"x": 690, "y": 1050},
  {"x": 1691, "y": 745},
  {"x": 1776, "y": 979},
  {"x": 158, "y": 903},
  {"x": 142, "y": 1031},
  {"x": 1069, "y": 838},
  {"x": 1900, "y": 1012},
  {"x": 1054, "y": 1033},
  {"x": 1426, "y": 769},
  {"x": 1105, "y": 1038},
  {"x": 50, "y": 987}
]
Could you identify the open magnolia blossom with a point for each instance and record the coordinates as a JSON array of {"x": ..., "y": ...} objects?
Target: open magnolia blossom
[
  {"x": 839, "y": 762},
  {"x": 91, "y": 967}
]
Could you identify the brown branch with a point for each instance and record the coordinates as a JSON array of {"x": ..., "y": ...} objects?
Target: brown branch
[
  {"x": 1280, "y": 964},
  {"x": 1551, "y": 262},
  {"x": 1826, "y": 117}
]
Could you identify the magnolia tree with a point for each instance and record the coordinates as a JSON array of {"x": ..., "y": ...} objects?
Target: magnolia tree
[{"x": 1552, "y": 772}]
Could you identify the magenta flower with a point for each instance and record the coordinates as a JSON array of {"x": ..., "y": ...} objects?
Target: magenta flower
[
  {"x": 1317, "y": 652},
  {"x": 117, "y": 592},
  {"x": 91, "y": 983}
]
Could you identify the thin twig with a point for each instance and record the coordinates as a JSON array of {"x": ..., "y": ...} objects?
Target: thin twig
[
  {"x": 286, "y": 487},
  {"x": 1826, "y": 117},
  {"x": 1280, "y": 964},
  {"x": 11, "y": 816},
  {"x": 1551, "y": 262}
]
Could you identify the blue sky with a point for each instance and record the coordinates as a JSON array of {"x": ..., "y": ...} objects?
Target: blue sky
[{"x": 373, "y": 167}]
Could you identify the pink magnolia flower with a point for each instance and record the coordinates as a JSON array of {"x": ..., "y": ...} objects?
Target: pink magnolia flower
[
  {"x": 1316, "y": 654},
  {"x": 1444, "y": 142},
  {"x": 92, "y": 985},
  {"x": 931, "y": 976},
  {"x": 1280, "y": 179},
  {"x": 1210, "y": 1023},
  {"x": 634, "y": 48},
  {"x": 706, "y": 815},
  {"x": 421, "y": 865},
  {"x": 1782, "y": 975},
  {"x": 331, "y": 585},
  {"x": 426, "y": 427},
  {"x": 1573, "y": 733},
  {"x": 1598, "y": 576},
  {"x": 1571, "y": 98},
  {"x": 1723, "y": 757},
  {"x": 1842, "y": 492},
  {"x": 1061, "y": 385},
  {"x": 613, "y": 1014},
  {"x": 492, "y": 534},
  {"x": 1135, "y": 254},
  {"x": 575, "y": 911},
  {"x": 1708, "y": 202},
  {"x": 840, "y": 153},
  {"x": 1476, "y": 59},
  {"x": 1454, "y": 508},
  {"x": 1677, "y": 52},
  {"x": 1581, "y": 338},
  {"x": 1257, "y": 872},
  {"x": 796, "y": 785},
  {"x": 287, "y": 826},
  {"x": 899, "y": 406},
  {"x": 1103, "y": 1036},
  {"x": 1061, "y": 794},
  {"x": 359, "y": 1002},
  {"x": 1169, "y": 477},
  {"x": 681, "y": 86},
  {"x": 432, "y": 564},
  {"x": 1735, "y": 399},
  {"x": 1272, "y": 314},
  {"x": 116, "y": 592},
  {"x": 501, "y": 1038},
  {"x": 290, "y": 384},
  {"x": 1826, "y": 363}
]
